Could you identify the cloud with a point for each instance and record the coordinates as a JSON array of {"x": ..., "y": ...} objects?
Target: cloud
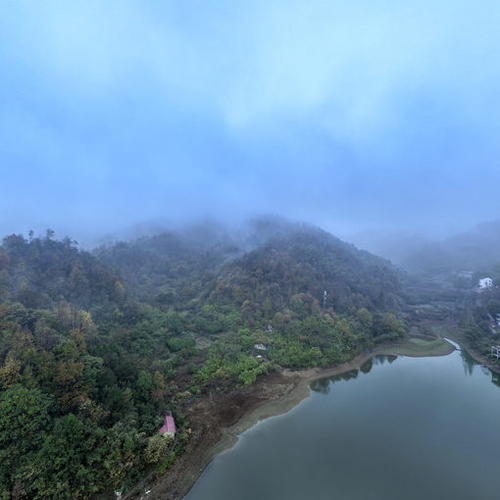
[{"x": 349, "y": 113}]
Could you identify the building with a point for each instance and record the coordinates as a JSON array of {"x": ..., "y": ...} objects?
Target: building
[
  {"x": 495, "y": 351},
  {"x": 485, "y": 283},
  {"x": 168, "y": 428},
  {"x": 260, "y": 347}
]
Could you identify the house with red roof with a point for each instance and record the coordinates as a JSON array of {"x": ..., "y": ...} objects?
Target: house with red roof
[{"x": 168, "y": 428}]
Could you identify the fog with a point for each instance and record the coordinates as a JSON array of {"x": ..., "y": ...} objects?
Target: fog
[{"x": 370, "y": 117}]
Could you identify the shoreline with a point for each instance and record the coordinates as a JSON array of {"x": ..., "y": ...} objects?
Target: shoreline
[
  {"x": 298, "y": 389},
  {"x": 475, "y": 354},
  {"x": 281, "y": 394},
  {"x": 302, "y": 390}
]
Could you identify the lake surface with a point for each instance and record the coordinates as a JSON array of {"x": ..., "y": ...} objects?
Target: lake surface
[{"x": 398, "y": 429}]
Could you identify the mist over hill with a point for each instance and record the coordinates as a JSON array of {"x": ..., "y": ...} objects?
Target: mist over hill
[
  {"x": 475, "y": 249},
  {"x": 267, "y": 259}
]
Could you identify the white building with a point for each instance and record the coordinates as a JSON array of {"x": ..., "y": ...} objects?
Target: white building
[
  {"x": 485, "y": 283},
  {"x": 260, "y": 347}
]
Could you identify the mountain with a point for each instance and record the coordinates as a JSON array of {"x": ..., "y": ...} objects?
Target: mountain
[
  {"x": 96, "y": 346},
  {"x": 307, "y": 262},
  {"x": 270, "y": 260},
  {"x": 474, "y": 250}
]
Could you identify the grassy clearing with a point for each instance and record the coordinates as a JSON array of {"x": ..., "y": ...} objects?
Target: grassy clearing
[{"x": 416, "y": 347}]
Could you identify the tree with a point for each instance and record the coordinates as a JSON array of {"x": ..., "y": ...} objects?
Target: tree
[
  {"x": 10, "y": 372},
  {"x": 156, "y": 448},
  {"x": 24, "y": 421},
  {"x": 24, "y": 416},
  {"x": 66, "y": 464}
]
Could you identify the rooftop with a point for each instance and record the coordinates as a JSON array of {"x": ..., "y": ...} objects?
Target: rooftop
[{"x": 168, "y": 425}]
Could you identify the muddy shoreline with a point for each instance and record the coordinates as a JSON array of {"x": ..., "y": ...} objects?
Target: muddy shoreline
[
  {"x": 273, "y": 395},
  {"x": 220, "y": 418}
]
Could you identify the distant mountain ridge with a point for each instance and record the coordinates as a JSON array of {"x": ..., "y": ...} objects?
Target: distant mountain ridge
[{"x": 474, "y": 250}]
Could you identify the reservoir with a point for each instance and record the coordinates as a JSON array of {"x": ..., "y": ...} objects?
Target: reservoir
[{"x": 398, "y": 428}]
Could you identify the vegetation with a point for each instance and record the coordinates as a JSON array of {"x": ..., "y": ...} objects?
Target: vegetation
[
  {"x": 96, "y": 347},
  {"x": 417, "y": 347},
  {"x": 478, "y": 321}
]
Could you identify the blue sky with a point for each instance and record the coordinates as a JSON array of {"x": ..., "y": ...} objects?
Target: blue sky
[{"x": 351, "y": 114}]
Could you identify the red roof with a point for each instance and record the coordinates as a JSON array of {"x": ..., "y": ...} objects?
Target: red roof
[{"x": 168, "y": 425}]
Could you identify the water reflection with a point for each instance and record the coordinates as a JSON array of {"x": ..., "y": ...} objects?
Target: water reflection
[
  {"x": 380, "y": 359},
  {"x": 366, "y": 368},
  {"x": 495, "y": 378},
  {"x": 468, "y": 362},
  {"x": 323, "y": 385}
]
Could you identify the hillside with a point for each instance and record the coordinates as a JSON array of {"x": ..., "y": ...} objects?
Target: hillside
[
  {"x": 40, "y": 272},
  {"x": 170, "y": 268},
  {"x": 301, "y": 266},
  {"x": 96, "y": 346}
]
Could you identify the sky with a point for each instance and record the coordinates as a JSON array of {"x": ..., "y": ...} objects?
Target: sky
[{"x": 354, "y": 115}]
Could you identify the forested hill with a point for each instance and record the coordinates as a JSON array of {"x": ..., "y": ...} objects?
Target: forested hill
[
  {"x": 96, "y": 346},
  {"x": 40, "y": 272},
  {"x": 170, "y": 268},
  {"x": 264, "y": 269},
  {"x": 292, "y": 272}
]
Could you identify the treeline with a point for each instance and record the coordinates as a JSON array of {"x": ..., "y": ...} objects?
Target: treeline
[
  {"x": 96, "y": 347},
  {"x": 39, "y": 272}
]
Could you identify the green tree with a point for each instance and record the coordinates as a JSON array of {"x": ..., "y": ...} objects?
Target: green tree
[
  {"x": 24, "y": 421},
  {"x": 67, "y": 462},
  {"x": 156, "y": 448}
]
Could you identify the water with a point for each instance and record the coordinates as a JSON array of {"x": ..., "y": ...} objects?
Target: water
[{"x": 398, "y": 429}]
